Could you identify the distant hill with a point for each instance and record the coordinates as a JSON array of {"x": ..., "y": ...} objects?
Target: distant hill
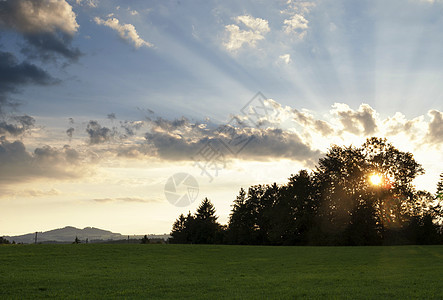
[{"x": 67, "y": 234}]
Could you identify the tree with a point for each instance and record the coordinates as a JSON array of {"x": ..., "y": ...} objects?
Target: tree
[
  {"x": 437, "y": 208},
  {"x": 251, "y": 215},
  {"x": 145, "y": 240},
  {"x": 339, "y": 203},
  {"x": 3, "y": 240},
  {"x": 181, "y": 230},
  {"x": 77, "y": 240},
  {"x": 206, "y": 227},
  {"x": 201, "y": 228},
  {"x": 294, "y": 211},
  {"x": 350, "y": 206}
]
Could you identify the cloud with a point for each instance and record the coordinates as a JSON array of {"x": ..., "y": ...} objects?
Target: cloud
[
  {"x": 309, "y": 122},
  {"x": 137, "y": 151},
  {"x": 435, "y": 128},
  {"x": 131, "y": 127},
  {"x": 111, "y": 116},
  {"x": 98, "y": 134},
  {"x": 126, "y": 31},
  {"x": 183, "y": 140},
  {"x": 90, "y": 3},
  {"x": 430, "y": 1},
  {"x": 286, "y": 58},
  {"x": 70, "y": 132},
  {"x": 283, "y": 133},
  {"x": 21, "y": 125},
  {"x": 47, "y": 46},
  {"x": 255, "y": 30},
  {"x": 398, "y": 124},
  {"x": 297, "y": 24},
  {"x": 38, "y": 16},
  {"x": 19, "y": 165},
  {"x": 28, "y": 193},
  {"x": 126, "y": 199},
  {"x": 362, "y": 121},
  {"x": 14, "y": 74},
  {"x": 48, "y": 26}
]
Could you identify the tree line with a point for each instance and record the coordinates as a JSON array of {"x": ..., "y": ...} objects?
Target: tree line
[{"x": 335, "y": 204}]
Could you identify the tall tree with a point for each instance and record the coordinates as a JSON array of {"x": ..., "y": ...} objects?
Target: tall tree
[
  {"x": 206, "y": 226},
  {"x": 201, "y": 228},
  {"x": 348, "y": 197}
]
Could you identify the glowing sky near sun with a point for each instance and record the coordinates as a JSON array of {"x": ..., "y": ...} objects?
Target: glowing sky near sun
[{"x": 102, "y": 101}]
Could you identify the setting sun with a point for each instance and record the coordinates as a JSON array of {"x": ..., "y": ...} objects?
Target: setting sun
[{"x": 376, "y": 179}]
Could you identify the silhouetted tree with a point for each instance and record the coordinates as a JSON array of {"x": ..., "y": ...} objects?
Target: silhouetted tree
[
  {"x": 297, "y": 207},
  {"x": 335, "y": 205},
  {"x": 180, "y": 233},
  {"x": 251, "y": 215},
  {"x": 205, "y": 227},
  {"x": 3, "y": 240},
  {"x": 201, "y": 228},
  {"x": 145, "y": 240},
  {"x": 351, "y": 208}
]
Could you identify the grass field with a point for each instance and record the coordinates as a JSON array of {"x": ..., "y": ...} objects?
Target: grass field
[{"x": 214, "y": 272}]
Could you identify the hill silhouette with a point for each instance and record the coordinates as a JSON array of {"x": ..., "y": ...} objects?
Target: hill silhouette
[{"x": 67, "y": 234}]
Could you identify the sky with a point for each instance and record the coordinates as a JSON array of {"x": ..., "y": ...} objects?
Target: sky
[{"x": 122, "y": 115}]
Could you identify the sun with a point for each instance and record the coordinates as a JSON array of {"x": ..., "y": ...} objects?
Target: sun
[{"x": 376, "y": 179}]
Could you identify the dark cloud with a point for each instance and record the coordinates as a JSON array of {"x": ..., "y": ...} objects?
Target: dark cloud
[
  {"x": 182, "y": 140},
  {"x": 70, "y": 132},
  {"x": 48, "y": 46},
  {"x": 111, "y": 116},
  {"x": 14, "y": 74},
  {"x": 98, "y": 134},
  {"x": 131, "y": 127},
  {"x": 47, "y": 26},
  {"x": 21, "y": 124},
  {"x": 20, "y": 165}
]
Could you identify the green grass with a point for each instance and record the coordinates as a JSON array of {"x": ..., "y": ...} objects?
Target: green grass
[{"x": 91, "y": 271}]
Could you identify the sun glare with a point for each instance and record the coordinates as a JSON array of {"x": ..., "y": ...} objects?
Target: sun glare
[{"x": 375, "y": 179}]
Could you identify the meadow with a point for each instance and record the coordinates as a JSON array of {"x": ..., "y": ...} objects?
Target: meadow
[{"x": 91, "y": 271}]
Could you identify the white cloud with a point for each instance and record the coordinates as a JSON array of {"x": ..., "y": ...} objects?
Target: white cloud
[
  {"x": 255, "y": 24},
  {"x": 90, "y": 3},
  {"x": 362, "y": 121},
  {"x": 435, "y": 127},
  {"x": 126, "y": 199},
  {"x": 125, "y": 31},
  {"x": 256, "y": 29},
  {"x": 286, "y": 58},
  {"x": 297, "y": 23}
]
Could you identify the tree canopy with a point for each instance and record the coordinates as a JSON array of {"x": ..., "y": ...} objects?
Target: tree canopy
[{"x": 355, "y": 196}]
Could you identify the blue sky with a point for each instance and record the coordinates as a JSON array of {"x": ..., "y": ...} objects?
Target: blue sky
[{"x": 121, "y": 95}]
